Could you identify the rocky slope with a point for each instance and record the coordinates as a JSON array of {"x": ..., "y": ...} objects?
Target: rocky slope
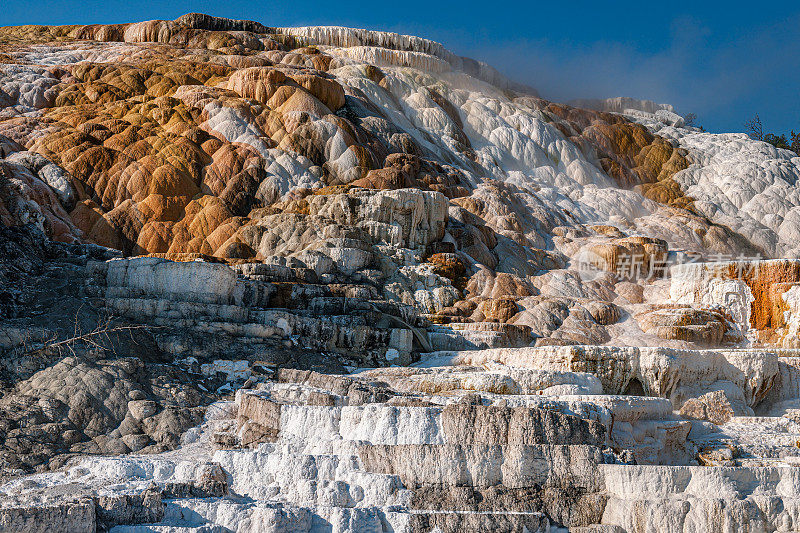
[{"x": 553, "y": 316}]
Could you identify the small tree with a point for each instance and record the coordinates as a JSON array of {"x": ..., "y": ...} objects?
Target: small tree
[
  {"x": 778, "y": 141},
  {"x": 794, "y": 142},
  {"x": 689, "y": 119},
  {"x": 754, "y": 128}
]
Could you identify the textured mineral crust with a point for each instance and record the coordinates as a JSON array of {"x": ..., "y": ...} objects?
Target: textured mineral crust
[{"x": 259, "y": 279}]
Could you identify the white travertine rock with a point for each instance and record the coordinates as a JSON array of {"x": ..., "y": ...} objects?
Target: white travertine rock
[
  {"x": 198, "y": 280},
  {"x": 349, "y": 37},
  {"x": 26, "y": 87},
  {"x": 193, "y": 301},
  {"x": 792, "y": 317},
  {"x": 397, "y": 58},
  {"x": 734, "y": 295},
  {"x": 497, "y": 379},
  {"x": 669, "y": 118},
  {"x": 56, "y": 177},
  {"x": 408, "y": 218},
  {"x": 742, "y": 183},
  {"x": 621, "y": 103},
  {"x": 74, "y": 516},
  {"x": 666, "y": 372},
  {"x": 693, "y": 498}
]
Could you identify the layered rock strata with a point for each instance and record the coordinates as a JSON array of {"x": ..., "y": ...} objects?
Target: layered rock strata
[{"x": 385, "y": 451}]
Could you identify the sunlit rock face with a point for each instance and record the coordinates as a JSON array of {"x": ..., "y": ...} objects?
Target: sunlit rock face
[
  {"x": 553, "y": 316},
  {"x": 528, "y": 439},
  {"x": 336, "y": 149}
]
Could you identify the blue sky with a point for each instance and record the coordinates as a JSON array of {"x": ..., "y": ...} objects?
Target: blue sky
[{"x": 724, "y": 61}]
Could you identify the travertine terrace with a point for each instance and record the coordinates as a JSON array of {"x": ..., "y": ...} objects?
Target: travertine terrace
[{"x": 257, "y": 278}]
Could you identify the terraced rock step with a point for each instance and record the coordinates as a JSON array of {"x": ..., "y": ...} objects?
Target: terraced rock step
[
  {"x": 383, "y": 451},
  {"x": 207, "y": 299},
  {"x": 673, "y": 498}
]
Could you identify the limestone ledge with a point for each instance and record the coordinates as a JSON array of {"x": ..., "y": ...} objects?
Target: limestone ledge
[
  {"x": 356, "y": 454},
  {"x": 745, "y": 374}
]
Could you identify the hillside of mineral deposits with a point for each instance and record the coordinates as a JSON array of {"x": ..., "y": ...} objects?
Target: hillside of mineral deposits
[{"x": 327, "y": 279}]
